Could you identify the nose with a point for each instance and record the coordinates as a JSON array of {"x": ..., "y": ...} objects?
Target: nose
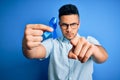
[{"x": 69, "y": 28}]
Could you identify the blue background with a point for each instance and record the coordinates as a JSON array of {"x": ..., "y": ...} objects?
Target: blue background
[{"x": 99, "y": 18}]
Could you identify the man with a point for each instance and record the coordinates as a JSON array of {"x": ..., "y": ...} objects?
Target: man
[{"x": 71, "y": 56}]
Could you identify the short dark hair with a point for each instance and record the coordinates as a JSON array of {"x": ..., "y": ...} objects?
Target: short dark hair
[{"x": 68, "y": 9}]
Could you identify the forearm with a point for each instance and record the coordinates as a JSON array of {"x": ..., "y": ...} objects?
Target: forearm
[{"x": 99, "y": 55}]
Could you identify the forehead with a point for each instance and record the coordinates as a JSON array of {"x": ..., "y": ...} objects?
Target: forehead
[{"x": 69, "y": 18}]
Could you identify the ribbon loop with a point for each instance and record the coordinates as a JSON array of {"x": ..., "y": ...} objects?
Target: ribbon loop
[{"x": 53, "y": 24}]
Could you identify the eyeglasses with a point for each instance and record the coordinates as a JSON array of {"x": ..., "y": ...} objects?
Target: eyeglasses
[{"x": 72, "y": 25}]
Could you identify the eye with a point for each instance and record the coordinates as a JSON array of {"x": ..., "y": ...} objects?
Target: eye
[
  {"x": 64, "y": 25},
  {"x": 74, "y": 25}
]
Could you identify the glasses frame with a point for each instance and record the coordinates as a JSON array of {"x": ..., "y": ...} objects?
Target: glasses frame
[{"x": 66, "y": 26}]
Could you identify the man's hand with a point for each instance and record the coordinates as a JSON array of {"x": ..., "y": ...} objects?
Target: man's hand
[
  {"x": 33, "y": 34},
  {"x": 81, "y": 50},
  {"x": 32, "y": 39}
]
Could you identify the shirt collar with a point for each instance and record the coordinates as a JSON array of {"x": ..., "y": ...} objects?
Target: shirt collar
[{"x": 65, "y": 40}]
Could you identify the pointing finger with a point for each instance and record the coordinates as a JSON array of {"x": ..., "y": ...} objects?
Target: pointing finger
[
  {"x": 78, "y": 48},
  {"x": 75, "y": 40}
]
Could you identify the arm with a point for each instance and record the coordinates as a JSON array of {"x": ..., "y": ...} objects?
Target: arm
[
  {"x": 100, "y": 55},
  {"x": 31, "y": 44},
  {"x": 83, "y": 50}
]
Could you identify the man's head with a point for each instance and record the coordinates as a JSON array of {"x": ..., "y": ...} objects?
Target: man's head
[{"x": 69, "y": 20}]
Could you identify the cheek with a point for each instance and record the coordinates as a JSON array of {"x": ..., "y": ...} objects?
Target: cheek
[
  {"x": 63, "y": 31},
  {"x": 75, "y": 31}
]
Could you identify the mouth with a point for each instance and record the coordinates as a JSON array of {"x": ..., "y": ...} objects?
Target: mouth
[{"x": 69, "y": 35}]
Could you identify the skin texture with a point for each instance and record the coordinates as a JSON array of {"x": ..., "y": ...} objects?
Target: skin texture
[{"x": 81, "y": 50}]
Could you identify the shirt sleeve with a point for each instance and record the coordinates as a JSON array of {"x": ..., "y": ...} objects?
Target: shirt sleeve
[
  {"x": 93, "y": 40},
  {"x": 48, "y": 44}
]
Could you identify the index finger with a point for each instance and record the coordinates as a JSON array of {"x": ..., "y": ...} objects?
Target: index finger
[
  {"x": 40, "y": 27},
  {"x": 75, "y": 40}
]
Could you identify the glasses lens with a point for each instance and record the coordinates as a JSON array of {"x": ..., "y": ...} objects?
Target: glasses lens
[{"x": 65, "y": 26}]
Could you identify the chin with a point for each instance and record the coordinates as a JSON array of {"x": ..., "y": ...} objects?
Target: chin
[{"x": 69, "y": 37}]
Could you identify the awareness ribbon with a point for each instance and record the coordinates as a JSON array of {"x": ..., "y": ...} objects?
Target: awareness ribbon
[{"x": 53, "y": 24}]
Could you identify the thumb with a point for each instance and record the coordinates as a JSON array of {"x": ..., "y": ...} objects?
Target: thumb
[{"x": 72, "y": 55}]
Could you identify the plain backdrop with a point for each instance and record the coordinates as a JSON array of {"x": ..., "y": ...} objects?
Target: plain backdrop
[{"x": 99, "y": 18}]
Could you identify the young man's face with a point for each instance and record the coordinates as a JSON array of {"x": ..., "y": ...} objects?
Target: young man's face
[{"x": 69, "y": 25}]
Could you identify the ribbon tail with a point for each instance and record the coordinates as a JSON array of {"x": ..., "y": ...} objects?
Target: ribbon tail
[{"x": 54, "y": 34}]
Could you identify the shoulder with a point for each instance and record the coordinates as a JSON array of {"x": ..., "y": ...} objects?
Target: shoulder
[{"x": 92, "y": 40}]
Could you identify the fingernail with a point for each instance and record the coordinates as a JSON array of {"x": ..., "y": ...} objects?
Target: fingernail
[{"x": 52, "y": 29}]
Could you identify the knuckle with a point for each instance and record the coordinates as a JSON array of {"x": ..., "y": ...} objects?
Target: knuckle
[
  {"x": 28, "y": 25},
  {"x": 92, "y": 47},
  {"x": 41, "y": 32},
  {"x": 27, "y": 32},
  {"x": 76, "y": 52},
  {"x": 41, "y": 38},
  {"x": 86, "y": 56},
  {"x": 28, "y": 38},
  {"x": 38, "y": 39},
  {"x": 82, "y": 39},
  {"x": 87, "y": 44},
  {"x": 80, "y": 57},
  {"x": 84, "y": 59},
  {"x": 28, "y": 44}
]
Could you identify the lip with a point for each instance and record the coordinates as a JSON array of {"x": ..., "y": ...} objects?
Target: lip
[{"x": 68, "y": 34}]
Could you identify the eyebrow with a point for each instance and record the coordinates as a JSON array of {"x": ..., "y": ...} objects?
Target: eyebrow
[{"x": 70, "y": 23}]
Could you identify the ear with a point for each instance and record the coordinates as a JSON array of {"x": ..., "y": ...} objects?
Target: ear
[{"x": 59, "y": 24}]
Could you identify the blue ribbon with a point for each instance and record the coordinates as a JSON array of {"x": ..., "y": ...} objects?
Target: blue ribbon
[{"x": 53, "y": 24}]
